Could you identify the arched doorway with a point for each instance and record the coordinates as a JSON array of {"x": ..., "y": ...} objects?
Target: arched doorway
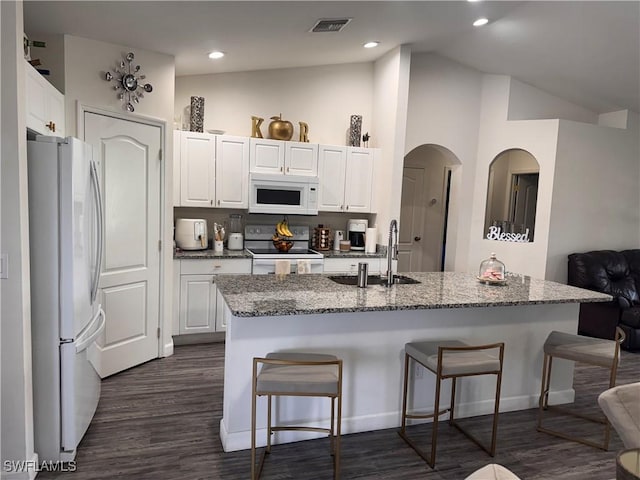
[{"x": 426, "y": 185}]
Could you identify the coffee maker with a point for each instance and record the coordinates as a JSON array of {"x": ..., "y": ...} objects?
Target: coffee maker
[{"x": 356, "y": 230}]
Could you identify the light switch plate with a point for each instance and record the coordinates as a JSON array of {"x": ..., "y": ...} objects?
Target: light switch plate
[{"x": 4, "y": 265}]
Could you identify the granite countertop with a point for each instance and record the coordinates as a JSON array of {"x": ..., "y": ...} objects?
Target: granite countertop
[
  {"x": 271, "y": 295},
  {"x": 200, "y": 254}
]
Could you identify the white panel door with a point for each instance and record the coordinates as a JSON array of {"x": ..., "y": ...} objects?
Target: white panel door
[
  {"x": 412, "y": 215},
  {"x": 129, "y": 155},
  {"x": 232, "y": 172},
  {"x": 332, "y": 165}
]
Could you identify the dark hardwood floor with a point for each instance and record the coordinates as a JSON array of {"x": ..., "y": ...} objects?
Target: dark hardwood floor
[{"x": 160, "y": 421}]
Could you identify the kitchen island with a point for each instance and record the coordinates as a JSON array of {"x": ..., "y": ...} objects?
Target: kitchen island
[{"x": 368, "y": 328}]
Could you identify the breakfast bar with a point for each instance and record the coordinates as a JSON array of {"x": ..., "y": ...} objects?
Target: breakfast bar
[{"x": 368, "y": 328}]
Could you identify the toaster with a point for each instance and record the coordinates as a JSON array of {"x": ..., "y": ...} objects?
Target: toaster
[{"x": 191, "y": 234}]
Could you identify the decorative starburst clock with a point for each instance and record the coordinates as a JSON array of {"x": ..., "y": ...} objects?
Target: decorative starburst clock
[{"x": 128, "y": 82}]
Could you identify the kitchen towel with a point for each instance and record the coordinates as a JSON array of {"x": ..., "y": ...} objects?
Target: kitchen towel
[
  {"x": 304, "y": 266},
  {"x": 283, "y": 267},
  {"x": 371, "y": 240}
]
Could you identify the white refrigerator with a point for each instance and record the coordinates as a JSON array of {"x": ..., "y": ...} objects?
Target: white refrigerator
[{"x": 65, "y": 236}]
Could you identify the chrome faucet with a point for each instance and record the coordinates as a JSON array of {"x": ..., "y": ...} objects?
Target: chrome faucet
[{"x": 392, "y": 250}]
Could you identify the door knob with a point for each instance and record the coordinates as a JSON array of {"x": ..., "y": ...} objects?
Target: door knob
[{"x": 417, "y": 239}]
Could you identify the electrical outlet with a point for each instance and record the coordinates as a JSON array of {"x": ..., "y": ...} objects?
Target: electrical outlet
[{"x": 419, "y": 371}]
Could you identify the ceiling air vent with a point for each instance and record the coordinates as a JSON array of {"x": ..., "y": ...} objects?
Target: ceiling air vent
[{"x": 330, "y": 25}]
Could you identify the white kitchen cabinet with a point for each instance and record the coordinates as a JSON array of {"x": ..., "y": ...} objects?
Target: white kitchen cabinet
[
  {"x": 332, "y": 168},
  {"x": 197, "y": 304},
  {"x": 278, "y": 157},
  {"x": 197, "y": 169},
  {"x": 232, "y": 172},
  {"x": 45, "y": 104},
  {"x": 346, "y": 178},
  {"x": 198, "y": 308},
  {"x": 349, "y": 265},
  {"x": 301, "y": 158}
]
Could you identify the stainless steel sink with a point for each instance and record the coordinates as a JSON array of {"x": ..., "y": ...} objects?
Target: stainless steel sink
[{"x": 372, "y": 280}]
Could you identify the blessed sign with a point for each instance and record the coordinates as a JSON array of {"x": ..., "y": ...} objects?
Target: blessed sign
[{"x": 496, "y": 233}]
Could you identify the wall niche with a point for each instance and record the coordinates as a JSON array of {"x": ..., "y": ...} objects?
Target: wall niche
[{"x": 512, "y": 197}]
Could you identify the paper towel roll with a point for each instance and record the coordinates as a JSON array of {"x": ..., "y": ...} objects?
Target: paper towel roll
[{"x": 371, "y": 240}]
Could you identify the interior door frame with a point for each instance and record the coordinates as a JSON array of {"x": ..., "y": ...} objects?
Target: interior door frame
[{"x": 165, "y": 340}]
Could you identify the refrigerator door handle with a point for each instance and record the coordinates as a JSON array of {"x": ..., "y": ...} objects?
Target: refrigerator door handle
[
  {"x": 99, "y": 247},
  {"x": 83, "y": 343}
]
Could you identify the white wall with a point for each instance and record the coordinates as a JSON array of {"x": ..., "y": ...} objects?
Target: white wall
[
  {"x": 444, "y": 110},
  {"x": 324, "y": 97},
  {"x": 529, "y": 103},
  {"x": 390, "y": 100},
  {"x": 595, "y": 195},
  {"x": 86, "y": 61},
  {"x": 16, "y": 408},
  {"x": 496, "y": 135}
]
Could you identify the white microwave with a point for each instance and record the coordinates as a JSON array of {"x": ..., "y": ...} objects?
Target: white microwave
[{"x": 285, "y": 194}]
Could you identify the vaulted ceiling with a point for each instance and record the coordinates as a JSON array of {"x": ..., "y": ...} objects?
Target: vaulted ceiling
[{"x": 586, "y": 52}]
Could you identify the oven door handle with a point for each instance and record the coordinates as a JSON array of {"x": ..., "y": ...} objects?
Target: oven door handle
[{"x": 312, "y": 261}]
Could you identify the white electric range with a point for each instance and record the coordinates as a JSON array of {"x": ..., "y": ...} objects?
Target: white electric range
[{"x": 258, "y": 242}]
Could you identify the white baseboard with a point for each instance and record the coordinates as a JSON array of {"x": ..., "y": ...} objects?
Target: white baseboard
[{"x": 242, "y": 440}]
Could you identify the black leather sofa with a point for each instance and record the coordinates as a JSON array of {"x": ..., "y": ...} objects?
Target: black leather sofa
[{"x": 616, "y": 273}]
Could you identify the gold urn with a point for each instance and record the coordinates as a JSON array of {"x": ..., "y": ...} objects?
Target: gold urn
[{"x": 280, "y": 129}]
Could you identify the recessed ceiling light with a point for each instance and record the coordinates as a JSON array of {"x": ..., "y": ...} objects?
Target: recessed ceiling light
[
  {"x": 473, "y": 1},
  {"x": 216, "y": 55},
  {"x": 371, "y": 44},
  {"x": 481, "y": 21}
]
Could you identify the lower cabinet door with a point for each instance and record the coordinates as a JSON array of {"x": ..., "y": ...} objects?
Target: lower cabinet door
[{"x": 198, "y": 294}]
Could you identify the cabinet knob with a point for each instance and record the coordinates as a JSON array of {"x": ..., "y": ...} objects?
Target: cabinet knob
[
  {"x": 417, "y": 239},
  {"x": 211, "y": 201},
  {"x": 217, "y": 266},
  {"x": 51, "y": 126},
  {"x": 347, "y": 207},
  {"x": 281, "y": 169},
  {"x": 287, "y": 169},
  {"x": 218, "y": 202}
]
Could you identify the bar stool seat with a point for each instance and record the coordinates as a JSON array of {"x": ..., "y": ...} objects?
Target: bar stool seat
[
  {"x": 297, "y": 374},
  {"x": 578, "y": 348},
  {"x": 451, "y": 359},
  {"x": 594, "y": 351},
  {"x": 459, "y": 363}
]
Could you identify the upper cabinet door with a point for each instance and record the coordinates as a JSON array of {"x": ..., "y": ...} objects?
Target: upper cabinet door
[
  {"x": 332, "y": 164},
  {"x": 232, "y": 172},
  {"x": 301, "y": 158},
  {"x": 359, "y": 179},
  {"x": 267, "y": 156},
  {"x": 45, "y": 105},
  {"x": 197, "y": 169}
]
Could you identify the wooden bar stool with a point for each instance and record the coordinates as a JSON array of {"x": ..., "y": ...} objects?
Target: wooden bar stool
[
  {"x": 299, "y": 375},
  {"x": 578, "y": 348},
  {"x": 451, "y": 359}
]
